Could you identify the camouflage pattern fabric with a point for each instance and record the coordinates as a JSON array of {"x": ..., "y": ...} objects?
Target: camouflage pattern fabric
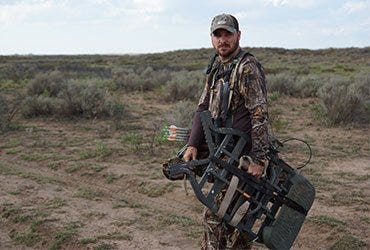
[
  {"x": 248, "y": 104},
  {"x": 219, "y": 235},
  {"x": 249, "y": 100}
]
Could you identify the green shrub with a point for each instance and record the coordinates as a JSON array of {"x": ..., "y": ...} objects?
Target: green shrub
[
  {"x": 17, "y": 72},
  {"x": 134, "y": 140},
  {"x": 4, "y": 111},
  {"x": 71, "y": 96},
  {"x": 118, "y": 112},
  {"x": 308, "y": 85},
  {"x": 346, "y": 100},
  {"x": 92, "y": 101},
  {"x": 126, "y": 79},
  {"x": 297, "y": 86},
  {"x": 47, "y": 84},
  {"x": 41, "y": 106},
  {"x": 282, "y": 83},
  {"x": 273, "y": 96},
  {"x": 182, "y": 113},
  {"x": 319, "y": 112},
  {"x": 65, "y": 235},
  {"x": 9, "y": 106},
  {"x": 348, "y": 242},
  {"x": 184, "y": 85},
  {"x": 61, "y": 97},
  {"x": 143, "y": 79}
]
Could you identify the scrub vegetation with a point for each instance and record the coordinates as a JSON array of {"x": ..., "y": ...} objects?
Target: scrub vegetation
[{"x": 81, "y": 146}]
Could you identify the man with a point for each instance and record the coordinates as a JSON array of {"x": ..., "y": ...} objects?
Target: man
[{"x": 246, "y": 110}]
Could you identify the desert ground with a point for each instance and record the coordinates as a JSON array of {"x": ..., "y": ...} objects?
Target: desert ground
[
  {"x": 96, "y": 183},
  {"x": 83, "y": 185}
]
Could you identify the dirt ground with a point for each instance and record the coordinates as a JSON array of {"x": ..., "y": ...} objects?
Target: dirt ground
[{"x": 86, "y": 185}]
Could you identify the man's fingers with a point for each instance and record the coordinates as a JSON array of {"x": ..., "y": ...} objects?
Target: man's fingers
[
  {"x": 190, "y": 154},
  {"x": 194, "y": 157},
  {"x": 255, "y": 170},
  {"x": 187, "y": 157}
]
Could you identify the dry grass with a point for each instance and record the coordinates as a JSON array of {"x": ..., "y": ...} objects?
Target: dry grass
[{"x": 72, "y": 184}]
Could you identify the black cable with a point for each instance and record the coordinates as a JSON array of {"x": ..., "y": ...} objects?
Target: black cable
[{"x": 308, "y": 146}]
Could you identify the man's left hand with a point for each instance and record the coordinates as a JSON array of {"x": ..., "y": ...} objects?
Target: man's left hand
[{"x": 255, "y": 170}]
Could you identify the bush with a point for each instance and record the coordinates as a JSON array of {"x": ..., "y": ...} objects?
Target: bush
[
  {"x": 297, "y": 86},
  {"x": 182, "y": 113},
  {"x": 184, "y": 85},
  {"x": 71, "y": 98},
  {"x": 17, "y": 72},
  {"x": 143, "y": 79},
  {"x": 4, "y": 111},
  {"x": 346, "y": 100},
  {"x": 118, "y": 112},
  {"x": 92, "y": 101},
  {"x": 282, "y": 83},
  {"x": 48, "y": 84},
  {"x": 308, "y": 86},
  {"x": 41, "y": 106},
  {"x": 9, "y": 106}
]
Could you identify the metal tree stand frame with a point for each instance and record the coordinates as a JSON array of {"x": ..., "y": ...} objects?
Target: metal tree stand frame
[{"x": 271, "y": 210}]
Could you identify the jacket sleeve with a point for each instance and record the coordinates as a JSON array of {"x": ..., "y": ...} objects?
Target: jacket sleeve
[
  {"x": 197, "y": 136},
  {"x": 253, "y": 89}
]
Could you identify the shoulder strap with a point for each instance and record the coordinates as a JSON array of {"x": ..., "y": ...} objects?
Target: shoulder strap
[
  {"x": 229, "y": 86},
  {"x": 239, "y": 59},
  {"x": 211, "y": 62}
]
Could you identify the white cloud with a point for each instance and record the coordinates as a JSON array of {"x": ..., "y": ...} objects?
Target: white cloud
[
  {"x": 365, "y": 24},
  {"x": 153, "y": 6},
  {"x": 54, "y": 26},
  {"x": 276, "y": 2},
  {"x": 245, "y": 15},
  {"x": 135, "y": 15},
  {"x": 20, "y": 11},
  {"x": 352, "y": 7},
  {"x": 292, "y": 3},
  {"x": 134, "y": 8},
  {"x": 47, "y": 11},
  {"x": 181, "y": 20}
]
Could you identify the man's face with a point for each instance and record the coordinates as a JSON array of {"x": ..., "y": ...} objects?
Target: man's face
[{"x": 225, "y": 42}]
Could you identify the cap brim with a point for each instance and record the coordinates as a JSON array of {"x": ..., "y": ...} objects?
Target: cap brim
[{"x": 225, "y": 27}]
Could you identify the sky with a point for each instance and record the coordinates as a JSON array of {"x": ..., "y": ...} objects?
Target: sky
[{"x": 149, "y": 26}]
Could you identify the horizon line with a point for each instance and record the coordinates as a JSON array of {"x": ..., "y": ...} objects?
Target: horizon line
[{"x": 173, "y": 51}]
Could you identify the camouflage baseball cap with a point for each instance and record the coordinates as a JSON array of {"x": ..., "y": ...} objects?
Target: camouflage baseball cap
[{"x": 225, "y": 21}]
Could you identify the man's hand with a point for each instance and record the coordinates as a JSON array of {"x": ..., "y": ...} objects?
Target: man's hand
[
  {"x": 255, "y": 169},
  {"x": 190, "y": 153},
  {"x": 247, "y": 164}
]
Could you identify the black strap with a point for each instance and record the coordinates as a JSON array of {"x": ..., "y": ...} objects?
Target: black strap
[
  {"x": 214, "y": 74},
  {"x": 210, "y": 65},
  {"x": 225, "y": 102}
]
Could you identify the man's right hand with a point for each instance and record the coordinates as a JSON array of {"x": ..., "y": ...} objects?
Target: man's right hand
[{"x": 190, "y": 153}]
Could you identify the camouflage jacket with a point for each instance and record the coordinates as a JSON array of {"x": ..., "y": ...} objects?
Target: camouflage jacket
[{"x": 248, "y": 103}]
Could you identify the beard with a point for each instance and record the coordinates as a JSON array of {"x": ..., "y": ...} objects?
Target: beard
[{"x": 226, "y": 50}]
